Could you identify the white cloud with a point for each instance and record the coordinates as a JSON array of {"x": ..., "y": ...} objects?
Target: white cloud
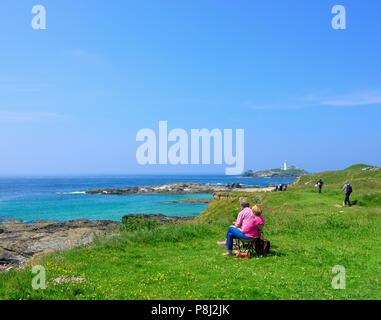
[
  {"x": 353, "y": 100},
  {"x": 358, "y": 99}
]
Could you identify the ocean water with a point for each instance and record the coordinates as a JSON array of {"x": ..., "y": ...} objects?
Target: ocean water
[{"x": 62, "y": 198}]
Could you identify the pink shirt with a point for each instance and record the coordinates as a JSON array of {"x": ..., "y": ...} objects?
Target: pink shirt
[{"x": 249, "y": 223}]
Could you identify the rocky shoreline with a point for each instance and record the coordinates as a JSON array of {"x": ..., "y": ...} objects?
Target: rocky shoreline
[
  {"x": 178, "y": 188},
  {"x": 191, "y": 201},
  {"x": 19, "y": 242}
]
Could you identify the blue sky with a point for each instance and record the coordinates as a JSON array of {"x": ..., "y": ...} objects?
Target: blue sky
[{"x": 72, "y": 97}]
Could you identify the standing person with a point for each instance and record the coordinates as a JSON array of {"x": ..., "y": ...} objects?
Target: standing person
[
  {"x": 347, "y": 188},
  {"x": 319, "y": 185}
]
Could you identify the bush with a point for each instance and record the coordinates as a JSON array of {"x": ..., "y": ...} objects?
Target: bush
[{"x": 139, "y": 223}]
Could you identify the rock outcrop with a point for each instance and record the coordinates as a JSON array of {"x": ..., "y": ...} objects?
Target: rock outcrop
[
  {"x": 194, "y": 200},
  {"x": 173, "y": 188},
  {"x": 227, "y": 195},
  {"x": 19, "y": 242}
]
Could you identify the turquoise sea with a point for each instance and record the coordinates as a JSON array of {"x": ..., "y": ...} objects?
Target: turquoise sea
[{"x": 61, "y": 198}]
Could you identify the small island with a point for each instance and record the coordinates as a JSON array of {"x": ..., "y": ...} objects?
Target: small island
[{"x": 285, "y": 172}]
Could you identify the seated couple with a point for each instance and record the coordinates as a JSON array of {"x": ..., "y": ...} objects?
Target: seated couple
[{"x": 248, "y": 226}]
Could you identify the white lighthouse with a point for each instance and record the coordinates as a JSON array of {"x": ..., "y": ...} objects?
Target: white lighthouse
[{"x": 285, "y": 165}]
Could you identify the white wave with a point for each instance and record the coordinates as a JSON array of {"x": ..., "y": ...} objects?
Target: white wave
[{"x": 74, "y": 192}]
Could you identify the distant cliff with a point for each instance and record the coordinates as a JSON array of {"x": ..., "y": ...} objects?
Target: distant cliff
[{"x": 292, "y": 172}]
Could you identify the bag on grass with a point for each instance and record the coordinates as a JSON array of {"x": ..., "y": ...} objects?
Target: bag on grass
[
  {"x": 243, "y": 255},
  {"x": 262, "y": 246}
]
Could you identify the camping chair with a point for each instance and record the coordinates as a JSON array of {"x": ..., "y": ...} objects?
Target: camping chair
[
  {"x": 249, "y": 246},
  {"x": 257, "y": 246}
]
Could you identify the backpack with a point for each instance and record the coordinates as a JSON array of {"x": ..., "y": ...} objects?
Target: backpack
[
  {"x": 262, "y": 246},
  {"x": 266, "y": 247},
  {"x": 349, "y": 188}
]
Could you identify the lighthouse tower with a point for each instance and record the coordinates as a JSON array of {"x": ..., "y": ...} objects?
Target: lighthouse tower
[{"x": 285, "y": 165}]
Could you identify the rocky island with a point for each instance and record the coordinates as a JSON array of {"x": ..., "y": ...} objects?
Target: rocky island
[
  {"x": 175, "y": 188},
  {"x": 292, "y": 172}
]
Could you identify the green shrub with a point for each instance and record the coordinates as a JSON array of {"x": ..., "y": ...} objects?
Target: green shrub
[{"x": 139, "y": 223}]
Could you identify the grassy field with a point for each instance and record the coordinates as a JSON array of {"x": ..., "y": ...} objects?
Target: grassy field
[{"x": 310, "y": 233}]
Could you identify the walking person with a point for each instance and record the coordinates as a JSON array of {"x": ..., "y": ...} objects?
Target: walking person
[
  {"x": 319, "y": 185},
  {"x": 347, "y": 188}
]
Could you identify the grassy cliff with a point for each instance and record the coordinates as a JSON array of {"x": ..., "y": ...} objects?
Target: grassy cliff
[{"x": 310, "y": 233}]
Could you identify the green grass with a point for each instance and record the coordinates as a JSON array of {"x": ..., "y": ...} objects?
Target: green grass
[{"x": 310, "y": 233}]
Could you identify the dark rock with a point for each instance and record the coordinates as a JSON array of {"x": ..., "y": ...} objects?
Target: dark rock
[
  {"x": 195, "y": 200},
  {"x": 234, "y": 186}
]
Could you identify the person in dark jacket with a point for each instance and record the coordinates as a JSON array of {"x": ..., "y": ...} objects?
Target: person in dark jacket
[
  {"x": 319, "y": 185},
  {"x": 347, "y": 188}
]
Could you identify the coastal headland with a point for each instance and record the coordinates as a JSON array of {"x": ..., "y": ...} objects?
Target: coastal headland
[
  {"x": 310, "y": 233},
  {"x": 19, "y": 241}
]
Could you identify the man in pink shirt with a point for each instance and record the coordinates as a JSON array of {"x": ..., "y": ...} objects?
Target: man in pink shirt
[{"x": 247, "y": 226}]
